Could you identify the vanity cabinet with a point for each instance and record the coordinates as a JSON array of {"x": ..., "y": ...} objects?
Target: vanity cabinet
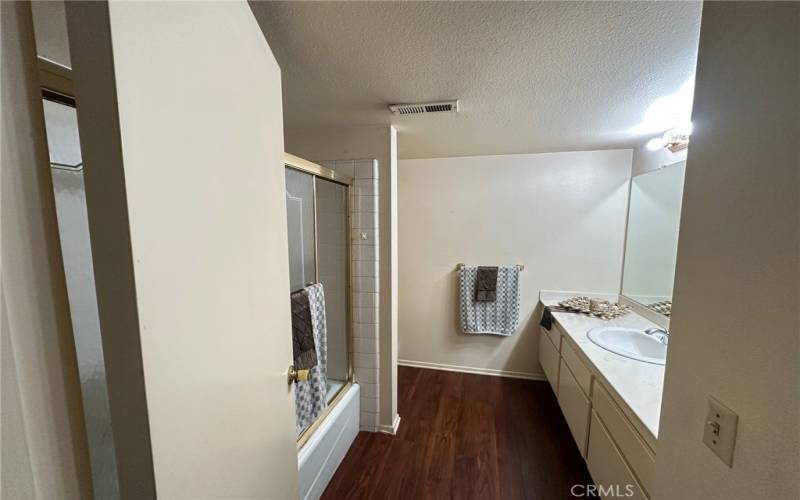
[{"x": 619, "y": 459}]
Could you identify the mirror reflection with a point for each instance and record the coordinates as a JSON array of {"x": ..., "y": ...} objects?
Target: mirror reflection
[{"x": 652, "y": 239}]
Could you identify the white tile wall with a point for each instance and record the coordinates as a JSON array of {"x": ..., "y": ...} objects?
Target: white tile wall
[
  {"x": 365, "y": 299},
  {"x": 365, "y": 345},
  {"x": 366, "y": 220},
  {"x": 365, "y": 169},
  {"x": 365, "y": 331},
  {"x": 365, "y": 187},
  {"x": 366, "y": 375},
  {"x": 365, "y": 252},
  {"x": 346, "y": 167},
  {"x": 369, "y": 420},
  {"x": 366, "y": 203},
  {"x": 365, "y": 315},
  {"x": 369, "y": 390},
  {"x": 363, "y": 235},
  {"x": 370, "y": 406},
  {"x": 364, "y": 282}
]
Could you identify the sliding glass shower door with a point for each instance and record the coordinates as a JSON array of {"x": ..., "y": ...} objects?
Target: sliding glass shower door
[
  {"x": 302, "y": 237},
  {"x": 319, "y": 252},
  {"x": 332, "y": 259}
]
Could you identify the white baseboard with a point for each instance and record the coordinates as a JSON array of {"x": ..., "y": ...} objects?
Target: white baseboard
[
  {"x": 390, "y": 429},
  {"x": 471, "y": 369}
]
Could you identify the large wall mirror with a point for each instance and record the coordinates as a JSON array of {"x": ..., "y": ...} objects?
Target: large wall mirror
[{"x": 651, "y": 245}]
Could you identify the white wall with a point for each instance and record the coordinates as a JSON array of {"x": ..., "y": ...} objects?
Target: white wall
[
  {"x": 562, "y": 215},
  {"x": 44, "y": 448},
  {"x": 735, "y": 315},
  {"x": 182, "y": 144},
  {"x": 362, "y": 142}
]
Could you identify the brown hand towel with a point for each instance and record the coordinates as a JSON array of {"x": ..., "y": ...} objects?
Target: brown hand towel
[
  {"x": 303, "y": 348},
  {"x": 547, "y": 316},
  {"x": 486, "y": 286}
]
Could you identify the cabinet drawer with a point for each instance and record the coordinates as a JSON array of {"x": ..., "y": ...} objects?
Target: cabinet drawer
[
  {"x": 636, "y": 452},
  {"x": 609, "y": 470},
  {"x": 576, "y": 366},
  {"x": 574, "y": 405},
  {"x": 554, "y": 334},
  {"x": 548, "y": 358}
]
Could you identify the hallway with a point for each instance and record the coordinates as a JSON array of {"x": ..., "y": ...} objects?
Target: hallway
[{"x": 465, "y": 436}]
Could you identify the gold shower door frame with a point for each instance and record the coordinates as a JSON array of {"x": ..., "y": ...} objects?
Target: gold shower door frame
[{"x": 320, "y": 172}]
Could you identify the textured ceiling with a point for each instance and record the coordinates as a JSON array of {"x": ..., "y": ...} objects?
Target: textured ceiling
[{"x": 530, "y": 77}]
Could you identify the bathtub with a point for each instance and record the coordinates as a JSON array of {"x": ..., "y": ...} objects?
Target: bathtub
[{"x": 319, "y": 458}]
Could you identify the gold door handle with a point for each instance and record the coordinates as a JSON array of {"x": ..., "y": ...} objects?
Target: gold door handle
[{"x": 298, "y": 375}]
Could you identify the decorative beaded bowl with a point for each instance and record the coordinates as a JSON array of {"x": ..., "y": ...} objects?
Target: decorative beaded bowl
[
  {"x": 602, "y": 309},
  {"x": 663, "y": 307}
]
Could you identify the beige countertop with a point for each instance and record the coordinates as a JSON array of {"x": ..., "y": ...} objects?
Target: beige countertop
[{"x": 635, "y": 384}]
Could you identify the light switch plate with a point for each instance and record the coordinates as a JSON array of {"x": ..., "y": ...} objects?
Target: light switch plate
[{"x": 719, "y": 433}]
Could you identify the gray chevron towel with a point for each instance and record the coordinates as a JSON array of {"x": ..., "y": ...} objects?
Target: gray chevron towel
[
  {"x": 310, "y": 396},
  {"x": 499, "y": 317}
]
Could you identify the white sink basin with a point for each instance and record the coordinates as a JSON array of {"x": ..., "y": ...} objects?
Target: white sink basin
[{"x": 629, "y": 342}]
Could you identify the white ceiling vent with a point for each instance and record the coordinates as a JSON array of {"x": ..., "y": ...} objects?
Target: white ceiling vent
[{"x": 424, "y": 107}]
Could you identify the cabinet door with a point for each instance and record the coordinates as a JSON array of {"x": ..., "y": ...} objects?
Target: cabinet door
[
  {"x": 610, "y": 472},
  {"x": 575, "y": 406},
  {"x": 554, "y": 334},
  {"x": 548, "y": 358},
  {"x": 576, "y": 366},
  {"x": 637, "y": 454}
]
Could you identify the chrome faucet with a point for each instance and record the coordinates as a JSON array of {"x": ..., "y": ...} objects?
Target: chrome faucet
[{"x": 659, "y": 334}]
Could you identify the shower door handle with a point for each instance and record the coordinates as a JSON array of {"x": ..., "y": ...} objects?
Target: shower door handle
[{"x": 298, "y": 375}]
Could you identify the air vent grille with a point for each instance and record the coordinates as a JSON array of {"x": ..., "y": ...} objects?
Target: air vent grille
[{"x": 424, "y": 107}]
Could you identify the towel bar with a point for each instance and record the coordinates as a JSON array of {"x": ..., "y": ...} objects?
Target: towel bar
[{"x": 520, "y": 266}]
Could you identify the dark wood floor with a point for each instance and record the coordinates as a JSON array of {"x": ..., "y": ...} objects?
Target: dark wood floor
[{"x": 465, "y": 436}]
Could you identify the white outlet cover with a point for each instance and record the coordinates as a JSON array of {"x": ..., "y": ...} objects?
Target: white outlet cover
[{"x": 719, "y": 430}]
